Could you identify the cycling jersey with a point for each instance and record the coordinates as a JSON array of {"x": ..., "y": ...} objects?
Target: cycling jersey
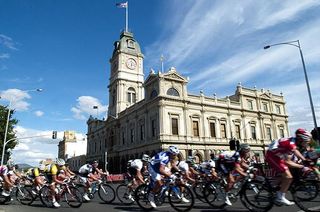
[
  {"x": 183, "y": 166},
  {"x": 227, "y": 161},
  {"x": 161, "y": 158},
  {"x": 33, "y": 172},
  {"x": 137, "y": 164},
  {"x": 278, "y": 152},
  {"x": 3, "y": 170},
  {"x": 230, "y": 157},
  {"x": 85, "y": 170}
]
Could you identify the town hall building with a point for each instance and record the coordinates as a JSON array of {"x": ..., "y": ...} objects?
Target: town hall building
[{"x": 149, "y": 114}]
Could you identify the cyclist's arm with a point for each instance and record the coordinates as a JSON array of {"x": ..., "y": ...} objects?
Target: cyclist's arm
[
  {"x": 55, "y": 179},
  {"x": 298, "y": 154},
  {"x": 240, "y": 170},
  {"x": 163, "y": 171},
  {"x": 139, "y": 176},
  {"x": 92, "y": 176},
  {"x": 7, "y": 180}
]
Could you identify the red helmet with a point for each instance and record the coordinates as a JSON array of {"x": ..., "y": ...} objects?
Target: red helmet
[{"x": 303, "y": 135}]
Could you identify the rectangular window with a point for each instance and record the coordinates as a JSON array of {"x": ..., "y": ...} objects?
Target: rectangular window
[
  {"x": 195, "y": 126},
  {"x": 174, "y": 126},
  {"x": 223, "y": 131},
  {"x": 269, "y": 136},
  {"x": 278, "y": 109},
  {"x": 132, "y": 135},
  {"x": 253, "y": 132},
  {"x": 250, "y": 104},
  {"x": 212, "y": 130},
  {"x": 123, "y": 138},
  {"x": 281, "y": 132},
  {"x": 265, "y": 107},
  {"x": 142, "y": 132},
  {"x": 153, "y": 128},
  {"x": 238, "y": 135}
]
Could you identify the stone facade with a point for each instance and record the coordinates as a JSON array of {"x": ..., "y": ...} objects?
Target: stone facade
[{"x": 149, "y": 116}]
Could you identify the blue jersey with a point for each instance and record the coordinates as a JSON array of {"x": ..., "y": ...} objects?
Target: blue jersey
[{"x": 161, "y": 158}]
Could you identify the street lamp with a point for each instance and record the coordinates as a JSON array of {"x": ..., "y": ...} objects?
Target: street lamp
[
  {"x": 7, "y": 124},
  {"x": 296, "y": 43}
]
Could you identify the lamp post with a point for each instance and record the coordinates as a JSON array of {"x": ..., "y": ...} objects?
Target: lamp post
[
  {"x": 7, "y": 124},
  {"x": 296, "y": 43}
]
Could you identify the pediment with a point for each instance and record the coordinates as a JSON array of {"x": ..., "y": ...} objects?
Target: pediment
[
  {"x": 174, "y": 76},
  {"x": 265, "y": 96}
]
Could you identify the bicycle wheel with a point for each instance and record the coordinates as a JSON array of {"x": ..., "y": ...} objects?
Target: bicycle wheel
[
  {"x": 24, "y": 196},
  {"x": 215, "y": 195},
  {"x": 198, "y": 189},
  {"x": 106, "y": 193},
  {"x": 123, "y": 194},
  {"x": 141, "y": 196},
  {"x": 257, "y": 196},
  {"x": 45, "y": 196},
  {"x": 306, "y": 195},
  {"x": 181, "y": 198},
  {"x": 73, "y": 197}
]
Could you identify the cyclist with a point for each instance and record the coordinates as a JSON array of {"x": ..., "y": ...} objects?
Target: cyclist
[
  {"x": 279, "y": 157},
  {"x": 51, "y": 172},
  {"x": 4, "y": 175},
  {"x": 34, "y": 174},
  {"x": 136, "y": 169},
  {"x": 230, "y": 161},
  {"x": 207, "y": 168},
  {"x": 86, "y": 173},
  {"x": 158, "y": 167}
]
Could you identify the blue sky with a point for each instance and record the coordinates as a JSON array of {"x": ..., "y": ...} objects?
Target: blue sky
[{"x": 64, "y": 48}]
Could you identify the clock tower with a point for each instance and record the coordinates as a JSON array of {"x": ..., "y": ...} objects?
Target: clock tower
[{"x": 126, "y": 75}]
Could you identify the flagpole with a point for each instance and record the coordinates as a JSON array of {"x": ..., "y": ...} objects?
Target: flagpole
[{"x": 127, "y": 16}]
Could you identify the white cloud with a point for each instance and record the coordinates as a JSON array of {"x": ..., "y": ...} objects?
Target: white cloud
[
  {"x": 85, "y": 105},
  {"x": 17, "y": 97},
  {"x": 37, "y": 145},
  {"x": 39, "y": 113},
  {"x": 7, "y": 42},
  {"x": 218, "y": 44},
  {"x": 4, "y": 56}
]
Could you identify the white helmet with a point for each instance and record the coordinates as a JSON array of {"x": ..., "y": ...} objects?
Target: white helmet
[
  {"x": 60, "y": 162},
  {"x": 173, "y": 150},
  {"x": 42, "y": 167},
  {"x": 145, "y": 157}
]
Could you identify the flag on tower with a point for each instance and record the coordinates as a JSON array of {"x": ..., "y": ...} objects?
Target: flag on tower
[{"x": 122, "y": 4}]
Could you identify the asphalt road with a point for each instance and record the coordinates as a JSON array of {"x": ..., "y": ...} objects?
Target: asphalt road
[{"x": 97, "y": 205}]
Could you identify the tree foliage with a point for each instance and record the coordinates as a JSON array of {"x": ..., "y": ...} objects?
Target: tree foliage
[{"x": 11, "y": 134}]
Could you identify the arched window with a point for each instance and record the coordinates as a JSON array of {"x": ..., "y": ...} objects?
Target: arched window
[
  {"x": 131, "y": 95},
  {"x": 153, "y": 94},
  {"x": 172, "y": 92}
]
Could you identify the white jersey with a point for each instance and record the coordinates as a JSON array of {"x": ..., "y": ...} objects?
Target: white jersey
[
  {"x": 86, "y": 169},
  {"x": 183, "y": 165},
  {"x": 137, "y": 164}
]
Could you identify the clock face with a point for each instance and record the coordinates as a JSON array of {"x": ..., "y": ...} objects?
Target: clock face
[{"x": 131, "y": 63}]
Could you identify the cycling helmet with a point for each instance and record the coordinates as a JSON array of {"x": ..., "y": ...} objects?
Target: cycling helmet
[
  {"x": 244, "y": 147},
  {"x": 129, "y": 162},
  {"x": 145, "y": 157},
  {"x": 10, "y": 164},
  {"x": 173, "y": 150},
  {"x": 60, "y": 162},
  {"x": 42, "y": 167},
  {"x": 303, "y": 135},
  {"x": 190, "y": 159}
]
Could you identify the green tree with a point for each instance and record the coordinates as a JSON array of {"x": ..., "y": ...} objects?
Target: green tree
[{"x": 11, "y": 134}]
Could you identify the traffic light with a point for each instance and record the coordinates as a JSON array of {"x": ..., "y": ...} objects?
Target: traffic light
[{"x": 54, "y": 134}]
